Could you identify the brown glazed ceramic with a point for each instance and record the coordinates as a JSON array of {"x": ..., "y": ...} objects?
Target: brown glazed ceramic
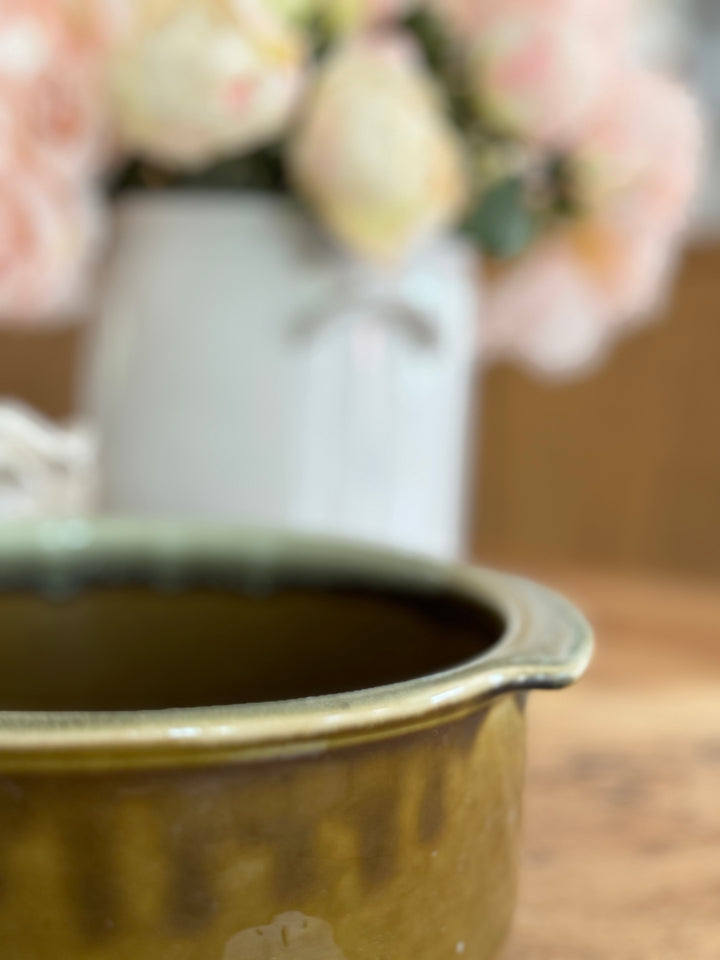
[{"x": 224, "y": 746}]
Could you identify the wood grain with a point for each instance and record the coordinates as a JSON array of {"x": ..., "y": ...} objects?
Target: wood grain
[
  {"x": 38, "y": 366},
  {"x": 622, "y": 466},
  {"x": 622, "y": 850}
]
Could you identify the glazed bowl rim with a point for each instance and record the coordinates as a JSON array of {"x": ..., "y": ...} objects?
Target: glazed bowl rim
[{"x": 546, "y": 643}]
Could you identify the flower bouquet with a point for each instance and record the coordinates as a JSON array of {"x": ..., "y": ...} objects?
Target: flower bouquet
[
  {"x": 524, "y": 124},
  {"x": 264, "y": 150}
]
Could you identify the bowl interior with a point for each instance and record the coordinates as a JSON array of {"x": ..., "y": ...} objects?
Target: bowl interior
[{"x": 141, "y": 636}]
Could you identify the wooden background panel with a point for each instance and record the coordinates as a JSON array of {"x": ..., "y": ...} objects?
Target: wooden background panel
[
  {"x": 38, "y": 367},
  {"x": 622, "y": 467}
]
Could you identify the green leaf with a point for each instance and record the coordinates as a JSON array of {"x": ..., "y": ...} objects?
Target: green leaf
[
  {"x": 260, "y": 170},
  {"x": 431, "y": 38},
  {"x": 445, "y": 60},
  {"x": 502, "y": 223}
]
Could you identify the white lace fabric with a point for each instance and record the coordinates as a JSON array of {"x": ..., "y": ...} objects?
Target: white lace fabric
[{"x": 47, "y": 470}]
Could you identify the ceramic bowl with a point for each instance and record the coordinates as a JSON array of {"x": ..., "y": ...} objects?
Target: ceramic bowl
[{"x": 228, "y": 746}]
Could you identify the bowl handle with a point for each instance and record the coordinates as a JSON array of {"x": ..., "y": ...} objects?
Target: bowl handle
[{"x": 548, "y": 643}]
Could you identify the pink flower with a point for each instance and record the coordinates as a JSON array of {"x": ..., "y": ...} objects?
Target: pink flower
[
  {"x": 539, "y": 68},
  {"x": 637, "y": 164},
  {"x": 50, "y": 78},
  {"x": 610, "y": 19},
  {"x": 641, "y": 149},
  {"x": 561, "y": 306},
  {"x": 543, "y": 312},
  {"x": 628, "y": 263},
  {"x": 49, "y": 231},
  {"x": 375, "y": 155},
  {"x": 51, "y": 148}
]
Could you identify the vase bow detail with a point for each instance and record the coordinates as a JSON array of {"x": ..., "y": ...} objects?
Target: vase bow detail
[{"x": 401, "y": 300}]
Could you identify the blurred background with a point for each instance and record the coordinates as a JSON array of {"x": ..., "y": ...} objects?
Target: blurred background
[{"x": 619, "y": 468}]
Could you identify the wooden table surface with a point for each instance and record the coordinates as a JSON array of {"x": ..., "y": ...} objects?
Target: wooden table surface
[{"x": 622, "y": 820}]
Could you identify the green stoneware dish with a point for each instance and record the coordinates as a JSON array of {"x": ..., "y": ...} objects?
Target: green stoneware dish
[{"x": 218, "y": 745}]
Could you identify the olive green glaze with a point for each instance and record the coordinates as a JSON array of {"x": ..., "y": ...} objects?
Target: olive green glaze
[{"x": 380, "y": 824}]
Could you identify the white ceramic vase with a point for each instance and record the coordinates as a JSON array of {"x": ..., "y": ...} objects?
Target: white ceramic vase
[{"x": 244, "y": 369}]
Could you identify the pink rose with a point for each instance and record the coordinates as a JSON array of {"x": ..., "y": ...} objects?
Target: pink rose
[
  {"x": 628, "y": 263},
  {"x": 544, "y": 313},
  {"x": 561, "y": 306},
  {"x": 51, "y": 147},
  {"x": 50, "y": 78},
  {"x": 637, "y": 159},
  {"x": 638, "y": 162},
  {"x": 610, "y": 19},
  {"x": 641, "y": 149},
  {"x": 539, "y": 68},
  {"x": 49, "y": 230}
]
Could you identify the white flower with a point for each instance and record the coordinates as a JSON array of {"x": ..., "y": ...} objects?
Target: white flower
[
  {"x": 375, "y": 155},
  {"x": 193, "y": 80}
]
